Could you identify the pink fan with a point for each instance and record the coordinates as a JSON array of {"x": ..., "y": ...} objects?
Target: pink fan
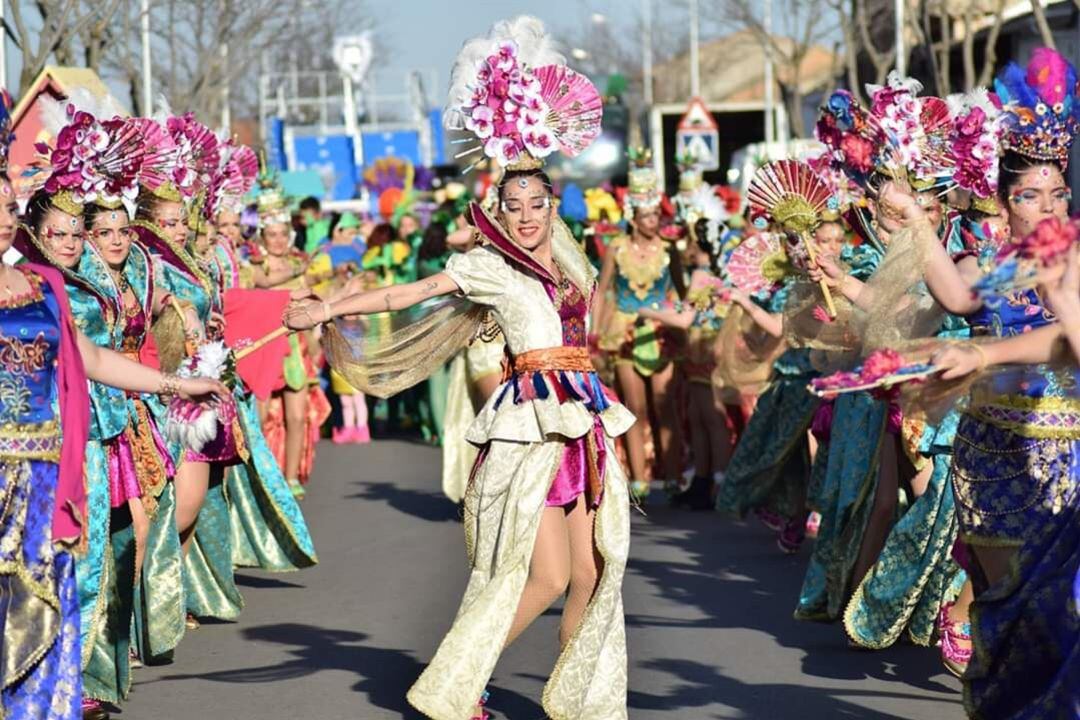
[
  {"x": 757, "y": 265},
  {"x": 575, "y": 108},
  {"x": 161, "y": 152}
]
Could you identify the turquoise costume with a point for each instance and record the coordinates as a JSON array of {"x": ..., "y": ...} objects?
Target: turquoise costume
[
  {"x": 769, "y": 466},
  {"x": 843, "y": 468},
  {"x": 1016, "y": 477},
  {"x": 915, "y": 572}
]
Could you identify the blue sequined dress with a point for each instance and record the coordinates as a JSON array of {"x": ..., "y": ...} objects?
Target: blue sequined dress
[
  {"x": 40, "y": 676},
  {"x": 1016, "y": 478}
]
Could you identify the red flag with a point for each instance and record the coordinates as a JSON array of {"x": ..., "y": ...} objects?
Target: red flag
[{"x": 249, "y": 316}]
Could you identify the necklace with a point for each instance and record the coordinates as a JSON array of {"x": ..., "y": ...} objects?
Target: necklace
[{"x": 562, "y": 286}]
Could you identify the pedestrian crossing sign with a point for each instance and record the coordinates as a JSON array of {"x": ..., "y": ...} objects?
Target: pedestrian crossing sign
[{"x": 697, "y": 134}]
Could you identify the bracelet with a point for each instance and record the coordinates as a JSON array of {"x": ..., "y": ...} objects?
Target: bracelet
[
  {"x": 327, "y": 317},
  {"x": 170, "y": 385},
  {"x": 983, "y": 359}
]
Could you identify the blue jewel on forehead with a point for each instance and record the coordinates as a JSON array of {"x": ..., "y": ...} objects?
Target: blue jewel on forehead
[{"x": 523, "y": 182}]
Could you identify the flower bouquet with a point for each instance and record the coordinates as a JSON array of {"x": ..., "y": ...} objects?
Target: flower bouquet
[
  {"x": 882, "y": 369},
  {"x": 195, "y": 426}
]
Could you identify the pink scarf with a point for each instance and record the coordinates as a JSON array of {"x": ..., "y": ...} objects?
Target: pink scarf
[{"x": 70, "y": 506}]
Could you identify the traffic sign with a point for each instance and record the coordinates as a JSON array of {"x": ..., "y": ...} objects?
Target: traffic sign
[{"x": 697, "y": 134}]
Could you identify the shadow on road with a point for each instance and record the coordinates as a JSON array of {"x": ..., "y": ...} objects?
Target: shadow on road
[
  {"x": 756, "y": 587},
  {"x": 260, "y": 581},
  {"x": 385, "y": 673},
  {"x": 422, "y": 504},
  {"x": 698, "y": 685}
]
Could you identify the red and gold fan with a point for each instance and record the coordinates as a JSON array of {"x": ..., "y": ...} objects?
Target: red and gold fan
[{"x": 792, "y": 197}]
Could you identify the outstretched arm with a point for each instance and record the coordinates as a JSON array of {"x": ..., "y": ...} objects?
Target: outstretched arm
[
  {"x": 303, "y": 315},
  {"x": 111, "y": 368}
]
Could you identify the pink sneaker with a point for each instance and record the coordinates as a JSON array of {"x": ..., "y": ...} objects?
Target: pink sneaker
[
  {"x": 341, "y": 436},
  {"x": 769, "y": 519},
  {"x": 360, "y": 435}
]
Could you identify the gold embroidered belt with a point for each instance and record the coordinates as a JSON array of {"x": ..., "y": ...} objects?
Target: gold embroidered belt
[
  {"x": 40, "y": 441},
  {"x": 570, "y": 359}
]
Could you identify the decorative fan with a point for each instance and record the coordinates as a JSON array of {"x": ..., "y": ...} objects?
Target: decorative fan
[
  {"x": 791, "y": 195},
  {"x": 758, "y": 264},
  {"x": 881, "y": 369},
  {"x": 575, "y": 107},
  {"x": 161, "y": 155}
]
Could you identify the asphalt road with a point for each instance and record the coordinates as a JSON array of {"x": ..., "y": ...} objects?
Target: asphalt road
[{"x": 708, "y": 610}]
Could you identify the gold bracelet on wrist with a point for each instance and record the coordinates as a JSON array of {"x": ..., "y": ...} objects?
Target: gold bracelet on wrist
[
  {"x": 327, "y": 316},
  {"x": 170, "y": 385}
]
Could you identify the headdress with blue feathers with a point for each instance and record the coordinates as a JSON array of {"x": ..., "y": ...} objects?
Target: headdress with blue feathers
[{"x": 1040, "y": 103}]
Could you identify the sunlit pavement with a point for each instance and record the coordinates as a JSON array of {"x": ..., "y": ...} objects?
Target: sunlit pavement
[{"x": 708, "y": 606}]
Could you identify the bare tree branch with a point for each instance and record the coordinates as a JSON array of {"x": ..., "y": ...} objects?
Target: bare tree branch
[{"x": 1040, "y": 22}]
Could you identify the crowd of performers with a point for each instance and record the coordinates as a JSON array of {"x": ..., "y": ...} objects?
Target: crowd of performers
[{"x": 877, "y": 347}]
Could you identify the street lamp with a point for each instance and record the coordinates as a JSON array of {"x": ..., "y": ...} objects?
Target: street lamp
[{"x": 352, "y": 55}]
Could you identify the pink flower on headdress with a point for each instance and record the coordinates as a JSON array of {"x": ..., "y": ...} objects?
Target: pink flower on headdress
[
  {"x": 858, "y": 152},
  {"x": 505, "y": 151},
  {"x": 480, "y": 122},
  {"x": 539, "y": 141}
]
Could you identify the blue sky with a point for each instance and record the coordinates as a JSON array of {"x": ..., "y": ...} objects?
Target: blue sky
[{"x": 426, "y": 35}]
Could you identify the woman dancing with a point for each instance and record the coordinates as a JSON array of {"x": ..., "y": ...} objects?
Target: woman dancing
[{"x": 547, "y": 507}]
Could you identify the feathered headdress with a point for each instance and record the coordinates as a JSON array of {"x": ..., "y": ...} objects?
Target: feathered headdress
[
  {"x": 92, "y": 157},
  {"x": 850, "y": 134},
  {"x": 512, "y": 90},
  {"x": 1040, "y": 105},
  {"x": 916, "y": 132}
]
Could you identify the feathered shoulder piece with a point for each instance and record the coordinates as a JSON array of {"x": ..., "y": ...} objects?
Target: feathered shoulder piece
[
  {"x": 512, "y": 90},
  {"x": 1040, "y": 105}
]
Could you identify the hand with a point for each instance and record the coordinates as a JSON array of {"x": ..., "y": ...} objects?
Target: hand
[
  {"x": 897, "y": 206},
  {"x": 303, "y": 293},
  {"x": 956, "y": 361},
  {"x": 1060, "y": 286},
  {"x": 203, "y": 391},
  {"x": 826, "y": 269},
  {"x": 304, "y": 315},
  {"x": 215, "y": 325}
]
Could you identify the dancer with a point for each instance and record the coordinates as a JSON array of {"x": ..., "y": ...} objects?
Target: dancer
[
  {"x": 639, "y": 271},
  {"x": 1015, "y": 467},
  {"x": 42, "y": 677},
  {"x": 292, "y": 417},
  {"x": 552, "y": 419}
]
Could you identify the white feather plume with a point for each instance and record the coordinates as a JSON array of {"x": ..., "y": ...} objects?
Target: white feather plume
[
  {"x": 708, "y": 204},
  {"x": 54, "y": 112},
  {"x": 535, "y": 49}
]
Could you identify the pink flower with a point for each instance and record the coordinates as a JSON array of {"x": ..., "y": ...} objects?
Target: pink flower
[
  {"x": 1051, "y": 239},
  {"x": 480, "y": 122},
  {"x": 539, "y": 141},
  {"x": 858, "y": 152},
  {"x": 881, "y": 363}
]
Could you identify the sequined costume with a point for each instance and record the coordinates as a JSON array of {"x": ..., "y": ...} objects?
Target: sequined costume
[
  {"x": 1016, "y": 477},
  {"x": 41, "y": 675},
  {"x": 545, "y": 437},
  {"x": 638, "y": 283}
]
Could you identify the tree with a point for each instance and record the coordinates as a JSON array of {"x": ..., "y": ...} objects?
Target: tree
[
  {"x": 797, "y": 27},
  {"x": 50, "y": 28}
]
